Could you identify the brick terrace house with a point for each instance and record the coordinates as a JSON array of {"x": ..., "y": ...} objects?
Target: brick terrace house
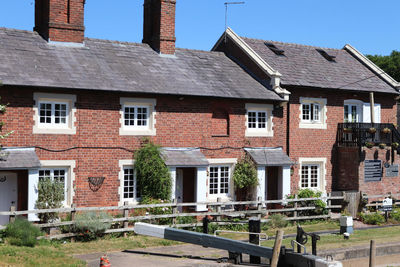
[
  {"x": 329, "y": 114},
  {"x": 80, "y": 107}
]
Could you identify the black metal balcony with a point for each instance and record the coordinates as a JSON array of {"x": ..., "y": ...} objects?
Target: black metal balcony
[{"x": 367, "y": 134}]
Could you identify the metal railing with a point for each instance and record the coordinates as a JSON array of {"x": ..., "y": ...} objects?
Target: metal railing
[{"x": 367, "y": 134}]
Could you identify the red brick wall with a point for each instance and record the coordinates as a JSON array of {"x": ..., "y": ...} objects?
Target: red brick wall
[
  {"x": 321, "y": 142},
  {"x": 179, "y": 123},
  {"x": 387, "y": 184}
]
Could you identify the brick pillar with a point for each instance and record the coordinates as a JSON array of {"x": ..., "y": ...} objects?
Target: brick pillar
[{"x": 60, "y": 20}]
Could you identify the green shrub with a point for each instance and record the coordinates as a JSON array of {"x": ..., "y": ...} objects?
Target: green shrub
[
  {"x": 90, "y": 226},
  {"x": 245, "y": 173},
  {"x": 372, "y": 218},
  {"x": 320, "y": 205},
  {"x": 395, "y": 214},
  {"x": 157, "y": 210},
  {"x": 50, "y": 196},
  {"x": 185, "y": 220},
  {"x": 277, "y": 221},
  {"x": 153, "y": 177},
  {"x": 22, "y": 233}
]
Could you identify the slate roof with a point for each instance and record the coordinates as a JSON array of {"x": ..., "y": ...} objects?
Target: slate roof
[
  {"x": 18, "y": 158},
  {"x": 303, "y": 65},
  {"x": 27, "y": 59},
  {"x": 269, "y": 156},
  {"x": 184, "y": 157}
]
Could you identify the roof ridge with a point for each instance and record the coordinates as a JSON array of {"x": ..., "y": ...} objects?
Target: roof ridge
[
  {"x": 18, "y": 30},
  {"x": 293, "y": 44}
]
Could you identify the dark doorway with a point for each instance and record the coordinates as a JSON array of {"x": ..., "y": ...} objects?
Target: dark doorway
[
  {"x": 186, "y": 179},
  {"x": 272, "y": 184}
]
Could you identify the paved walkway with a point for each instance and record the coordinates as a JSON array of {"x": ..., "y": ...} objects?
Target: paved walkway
[
  {"x": 192, "y": 255},
  {"x": 179, "y": 255}
]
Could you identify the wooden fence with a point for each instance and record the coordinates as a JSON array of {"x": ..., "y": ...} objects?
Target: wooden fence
[{"x": 217, "y": 210}]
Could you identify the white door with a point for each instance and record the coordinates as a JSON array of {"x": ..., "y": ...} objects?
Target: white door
[
  {"x": 179, "y": 187},
  {"x": 8, "y": 193}
]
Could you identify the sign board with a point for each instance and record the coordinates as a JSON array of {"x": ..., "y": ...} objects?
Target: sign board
[
  {"x": 387, "y": 204},
  {"x": 392, "y": 170}
]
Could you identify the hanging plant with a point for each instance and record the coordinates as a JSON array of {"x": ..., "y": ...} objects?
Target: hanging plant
[
  {"x": 382, "y": 145},
  {"x": 369, "y": 144},
  {"x": 348, "y": 130},
  {"x": 386, "y": 130},
  {"x": 245, "y": 173},
  {"x": 395, "y": 145},
  {"x": 372, "y": 130}
]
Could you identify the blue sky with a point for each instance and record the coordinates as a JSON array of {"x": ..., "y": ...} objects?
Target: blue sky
[{"x": 372, "y": 26}]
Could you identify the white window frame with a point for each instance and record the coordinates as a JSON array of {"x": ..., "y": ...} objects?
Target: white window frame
[
  {"x": 54, "y": 128},
  {"x": 126, "y": 164},
  {"x": 135, "y": 103},
  {"x": 221, "y": 162},
  {"x": 358, "y": 104},
  {"x": 321, "y": 163},
  {"x": 68, "y": 166},
  {"x": 312, "y": 123},
  {"x": 259, "y": 132}
]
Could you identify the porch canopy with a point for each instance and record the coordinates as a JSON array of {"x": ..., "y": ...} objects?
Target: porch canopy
[
  {"x": 269, "y": 156},
  {"x": 184, "y": 157},
  {"x": 18, "y": 158}
]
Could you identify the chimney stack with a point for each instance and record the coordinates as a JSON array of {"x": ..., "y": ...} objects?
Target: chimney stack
[
  {"x": 159, "y": 25},
  {"x": 60, "y": 20}
]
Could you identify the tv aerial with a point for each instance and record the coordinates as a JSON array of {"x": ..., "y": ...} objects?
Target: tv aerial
[{"x": 226, "y": 12}]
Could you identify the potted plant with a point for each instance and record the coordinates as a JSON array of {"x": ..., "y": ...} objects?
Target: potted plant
[
  {"x": 372, "y": 130},
  {"x": 395, "y": 145},
  {"x": 382, "y": 145},
  {"x": 386, "y": 130},
  {"x": 369, "y": 144},
  {"x": 348, "y": 130}
]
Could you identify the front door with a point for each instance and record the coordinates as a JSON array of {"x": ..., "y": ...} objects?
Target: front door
[
  {"x": 272, "y": 184},
  {"x": 8, "y": 193}
]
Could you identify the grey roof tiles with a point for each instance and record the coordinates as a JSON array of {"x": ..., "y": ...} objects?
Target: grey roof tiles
[
  {"x": 269, "y": 156},
  {"x": 18, "y": 158},
  {"x": 303, "y": 65},
  {"x": 183, "y": 157},
  {"x": 27, "y": 59}
]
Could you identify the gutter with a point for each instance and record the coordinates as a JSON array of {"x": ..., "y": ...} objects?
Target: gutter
[{"x": 378, "y": 71}]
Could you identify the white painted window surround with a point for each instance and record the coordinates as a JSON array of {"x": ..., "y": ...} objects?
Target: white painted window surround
[
  {"x": 313, "y": 113},
  {"x": 54, "y": 113},
  {"x": 68, "y": 166},
  {"x": 311, "y": 168},
  {"x": 137, "y": 116},
  {"x": 259, "y": 120},
  {"x": 220, "y": 174}
]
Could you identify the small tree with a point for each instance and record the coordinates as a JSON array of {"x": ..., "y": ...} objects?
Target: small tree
[
  {"x": 153, "y": 177},
  {"x": 50, "y": 196},
  {"x": 245, "y": 176}
]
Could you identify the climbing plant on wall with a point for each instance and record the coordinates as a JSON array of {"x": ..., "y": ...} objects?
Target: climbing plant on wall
[{"x": 152, "y": 175}]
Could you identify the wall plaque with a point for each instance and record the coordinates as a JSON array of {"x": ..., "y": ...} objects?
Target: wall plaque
[{"x": 392, "y": 170}]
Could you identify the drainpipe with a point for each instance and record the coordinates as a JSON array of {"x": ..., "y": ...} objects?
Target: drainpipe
[{"x": 371, "y": 100}]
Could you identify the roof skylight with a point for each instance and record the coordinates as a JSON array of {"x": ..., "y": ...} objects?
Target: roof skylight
[
  {"x": 326, "y": 55},
  {"x": 275, "y": 49}
]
